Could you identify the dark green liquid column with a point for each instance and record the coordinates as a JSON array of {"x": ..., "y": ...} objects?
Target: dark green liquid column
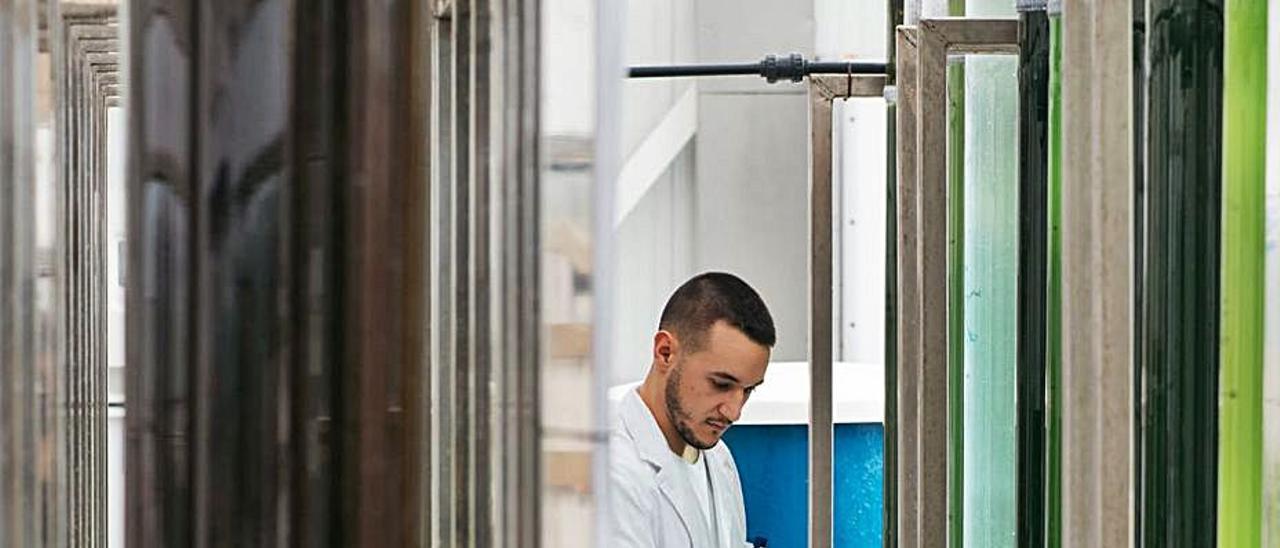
[
  {"x": 1033, "y": 172},
  {"x": 1181, "y": 302}
]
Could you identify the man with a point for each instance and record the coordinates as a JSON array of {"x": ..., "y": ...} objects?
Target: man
[{"x": 672, "y": 484}]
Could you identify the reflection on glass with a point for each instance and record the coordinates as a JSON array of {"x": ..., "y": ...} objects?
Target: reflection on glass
[{"x": 570, "y": 424}]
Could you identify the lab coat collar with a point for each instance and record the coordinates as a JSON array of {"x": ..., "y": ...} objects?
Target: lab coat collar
[{"x": 653, "y": 448}]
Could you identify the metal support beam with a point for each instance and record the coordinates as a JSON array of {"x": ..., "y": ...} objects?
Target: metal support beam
[
  {"x": 908, "y": 305},
  {"x": 822, "y": 91},
  {"x": 889, "y": 521}
]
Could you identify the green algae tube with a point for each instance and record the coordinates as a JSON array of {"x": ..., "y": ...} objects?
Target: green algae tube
[
  {"x": 1180, "y": 354},
  {"x": 1033, "y": 240},
  {"x": 1244, "y": 138},
  {"x": 1053, "y": 294}
]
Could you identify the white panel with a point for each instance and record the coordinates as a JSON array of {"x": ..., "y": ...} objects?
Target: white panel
[
  {"x": 116, "y": 227},
  {"x": 861, "y": 289}
]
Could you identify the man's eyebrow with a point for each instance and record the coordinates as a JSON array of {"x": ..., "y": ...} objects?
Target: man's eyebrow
[
  {"x": 728, "y": 377},
  {"x": 725, "y": 376}
]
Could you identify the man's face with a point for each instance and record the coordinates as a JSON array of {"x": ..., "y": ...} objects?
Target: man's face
[{"x": 706, "y": 389}]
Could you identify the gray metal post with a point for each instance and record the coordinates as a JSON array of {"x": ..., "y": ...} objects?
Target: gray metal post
[
  {"x": 822, "y": 91},
  {"x": 908, "y": 290}
]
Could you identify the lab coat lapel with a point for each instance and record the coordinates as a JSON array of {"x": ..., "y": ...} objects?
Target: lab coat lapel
[
  {"x": 726, "y": 490},
  {"x": 653, "y": 449}
]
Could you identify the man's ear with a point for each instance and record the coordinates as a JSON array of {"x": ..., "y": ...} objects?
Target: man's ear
[{"x": 665, "y": 347}]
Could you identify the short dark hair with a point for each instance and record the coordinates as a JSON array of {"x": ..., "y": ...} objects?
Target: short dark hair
[{"x": 717, "y": 296}]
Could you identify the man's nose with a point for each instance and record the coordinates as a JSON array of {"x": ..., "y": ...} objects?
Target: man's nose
[{"x": 733, "y": 407}]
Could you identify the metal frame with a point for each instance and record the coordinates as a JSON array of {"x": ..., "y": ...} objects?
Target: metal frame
[
  {"x": 485, "y": 447},
  {"x": 908, "y": 328},
  {"x": 822, "y": 91},
  {"x": 922, "y": 243},
  {"x": 86, "y": 65},
  {"x": 888, "y": 525}
]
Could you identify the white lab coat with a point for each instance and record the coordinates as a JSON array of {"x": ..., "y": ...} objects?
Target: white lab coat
[{"x": 651, "y": 504}]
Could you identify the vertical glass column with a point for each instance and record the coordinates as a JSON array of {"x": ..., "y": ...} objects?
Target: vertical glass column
[
  {"x": 1032, "y": 275},
  {"x": 990, "y": 258},
  {"x": 1181, "y": 303},
  {"x": 1244, "y": 137},
  {"x": 1053, "y": 291},
  {"x": 956, "y": 167}
]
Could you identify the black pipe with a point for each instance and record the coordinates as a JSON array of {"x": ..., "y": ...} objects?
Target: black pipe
[{"x": 793, "y": 67}]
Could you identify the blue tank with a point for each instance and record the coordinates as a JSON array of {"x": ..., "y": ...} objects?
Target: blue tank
[
  {"x": 770, "y": 443},
  {"x": 773, "y": 462}
]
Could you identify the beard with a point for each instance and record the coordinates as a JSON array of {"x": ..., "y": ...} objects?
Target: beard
[{"x": 681, "y": 417}]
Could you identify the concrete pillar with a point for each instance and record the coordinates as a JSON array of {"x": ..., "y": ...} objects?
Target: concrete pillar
[{"x": 1097, "y": 276}]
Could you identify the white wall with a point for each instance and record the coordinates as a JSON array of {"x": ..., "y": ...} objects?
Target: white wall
[{"x": 653, "y": 242}]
